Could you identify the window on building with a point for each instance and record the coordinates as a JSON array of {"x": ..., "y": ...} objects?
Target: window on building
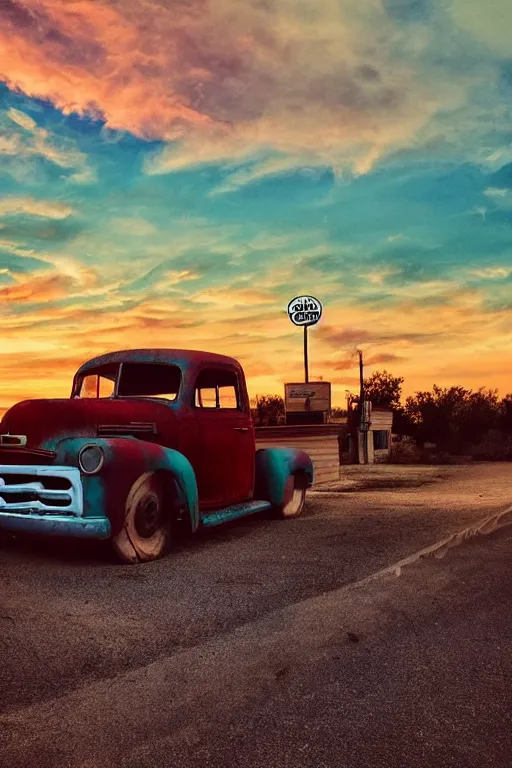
[
  {"x": 217, "y": 389},
  {"x": 380, "y": 440}
]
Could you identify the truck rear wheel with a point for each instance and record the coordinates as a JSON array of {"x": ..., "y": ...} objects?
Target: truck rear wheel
[
  {"x": 294, "y": 496},
  {"x": 146, "y": 533}
]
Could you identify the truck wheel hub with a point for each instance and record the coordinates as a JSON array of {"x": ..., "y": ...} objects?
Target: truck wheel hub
[{"x": 147, "y": 517}]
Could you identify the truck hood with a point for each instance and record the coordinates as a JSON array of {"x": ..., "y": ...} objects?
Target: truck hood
[{"x": 46, "y": 422}]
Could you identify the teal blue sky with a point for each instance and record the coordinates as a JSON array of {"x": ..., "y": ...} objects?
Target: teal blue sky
[{"x": 171, "y": 174}]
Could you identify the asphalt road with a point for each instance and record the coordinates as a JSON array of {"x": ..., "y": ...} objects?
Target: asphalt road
[{"x": 251, "y": 645}]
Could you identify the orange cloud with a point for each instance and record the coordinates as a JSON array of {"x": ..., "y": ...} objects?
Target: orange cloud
[
  {"x": 226, "y": 79},
  {"x": 37, "y": 289},
  {"x": 90, "y": 58}
]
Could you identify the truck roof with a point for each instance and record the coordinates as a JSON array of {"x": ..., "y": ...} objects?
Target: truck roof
[{"x": 182, "y": 357}]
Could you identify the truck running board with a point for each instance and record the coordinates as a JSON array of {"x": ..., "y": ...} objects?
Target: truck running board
[{"x": 220, "y": 516}]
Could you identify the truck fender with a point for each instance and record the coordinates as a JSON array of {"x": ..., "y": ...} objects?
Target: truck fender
[
  {"x": 126, "y": 458},
  {"x": 180, "y": 469},
  {"x": 272, "y": 469}
]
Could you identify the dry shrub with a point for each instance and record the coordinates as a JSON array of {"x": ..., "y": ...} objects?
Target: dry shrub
[
  {"x": 494, "y": 447},
  {"x": 404, "y": 451}
]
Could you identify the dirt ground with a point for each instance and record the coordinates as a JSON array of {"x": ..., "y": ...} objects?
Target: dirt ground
[{"x": 481, "y": 484}]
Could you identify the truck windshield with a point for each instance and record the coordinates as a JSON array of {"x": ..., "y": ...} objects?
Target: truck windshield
[{"x": 158, "y": 380}]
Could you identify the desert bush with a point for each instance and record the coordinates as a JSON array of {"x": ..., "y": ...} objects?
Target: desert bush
[
  {"x": 404, "y": 451},
  {"x": 495, "y": 446}
]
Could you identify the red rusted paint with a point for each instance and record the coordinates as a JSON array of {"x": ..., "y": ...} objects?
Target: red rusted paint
[{"x": 45, "y": 422}]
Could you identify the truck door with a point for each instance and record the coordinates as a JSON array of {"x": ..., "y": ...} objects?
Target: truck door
[{"x": 224, "y": 461}]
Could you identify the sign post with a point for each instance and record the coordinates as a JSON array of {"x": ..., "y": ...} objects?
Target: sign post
[
  {"x": 305, "y": 311},
  {"x": 306, "y": 369}
]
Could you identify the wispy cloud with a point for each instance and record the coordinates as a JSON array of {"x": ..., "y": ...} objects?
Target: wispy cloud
[
  {"x": 222, "y": 81},
  {"x": 36, "y": 289},
  {"x": 28, "y": 206},
  {"x": 492, "y": 273},
  {"x": 33, "y": 141},
  {"x": 175, "y": 172}
]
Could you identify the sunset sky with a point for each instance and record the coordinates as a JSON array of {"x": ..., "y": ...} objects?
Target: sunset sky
[{"x": 173, "y": 172}]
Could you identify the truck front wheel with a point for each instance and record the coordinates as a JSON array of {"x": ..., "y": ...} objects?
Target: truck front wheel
[
  {"x": 294, "y": 496},
  {"x": 146, "y": 533}
]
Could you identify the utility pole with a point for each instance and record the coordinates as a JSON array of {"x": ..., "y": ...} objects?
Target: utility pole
[
  {"x": 361, "y": 380},
  {"x": 362, "y": 424}
]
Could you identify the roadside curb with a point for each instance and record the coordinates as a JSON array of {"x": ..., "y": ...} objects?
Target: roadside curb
[{"x": 483, "y": 527}]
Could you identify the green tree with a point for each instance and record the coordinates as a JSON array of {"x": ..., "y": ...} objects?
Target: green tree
[
  {"x": 479, "y": 414},
  {"x": 383, "y": 389},
  {"x": 506, "y": 414},
  {"x": 452, "y": 416},
  {"x": 268, "y": 410},
  {"x": 338, "y": 413}
]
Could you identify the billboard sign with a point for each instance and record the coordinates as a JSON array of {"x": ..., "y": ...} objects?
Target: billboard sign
[
  {"x": 301, "y": 398},
  {"x": 304, "y": 310}
]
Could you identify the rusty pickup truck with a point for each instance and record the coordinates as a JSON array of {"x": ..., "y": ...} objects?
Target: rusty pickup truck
[{"x": 148, "y": 440}]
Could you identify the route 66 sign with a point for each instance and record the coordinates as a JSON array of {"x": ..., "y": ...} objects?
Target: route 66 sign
[{"x": 304, "y": 310}]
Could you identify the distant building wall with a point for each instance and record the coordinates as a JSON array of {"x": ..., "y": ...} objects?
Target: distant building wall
[
  {"x": 320, "y": 442},
  {"x": 332, "y": 445}
]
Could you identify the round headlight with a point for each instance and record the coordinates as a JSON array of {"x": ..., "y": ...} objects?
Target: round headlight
[{"x": 90, "y": 459}]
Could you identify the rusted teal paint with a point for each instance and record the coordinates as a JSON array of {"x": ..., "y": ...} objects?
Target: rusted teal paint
[
  {"x": 221, "y": 516},
  {"x": 94, "y": 495},
  {"x": 76, "y": 527},
  {"x": 67, "y": 448},
  {"x": 174, "y": 462},
  {"x": 274, "y": 466},
  {"x": 127, "y": 458}
]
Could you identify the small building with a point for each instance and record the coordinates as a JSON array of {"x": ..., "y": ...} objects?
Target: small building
[
  {"x": 379, "y": 437},
  {"x": 332, "y": 445},
  {"x": 320, "y": 442}
]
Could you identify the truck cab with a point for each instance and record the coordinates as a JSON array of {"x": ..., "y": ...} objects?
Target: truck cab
[{"x": 147, "y": 439}]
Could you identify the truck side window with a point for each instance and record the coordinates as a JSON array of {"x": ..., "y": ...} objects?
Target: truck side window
[
  {"x": 217, "y": 389},
  {"x": 97, "y": 386}
]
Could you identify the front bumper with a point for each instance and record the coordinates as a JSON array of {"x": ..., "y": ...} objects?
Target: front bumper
[
  {"x": 46, "y": 500},
  {"x": 55, "y": 525}
]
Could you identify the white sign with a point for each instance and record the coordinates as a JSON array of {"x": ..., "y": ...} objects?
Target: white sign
[
  {"x": 315, "y": 396},
  {"x": 304, "y": 310}
]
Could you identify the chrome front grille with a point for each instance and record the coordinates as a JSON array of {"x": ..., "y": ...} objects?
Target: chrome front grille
[{"x": 41, "y": 490}]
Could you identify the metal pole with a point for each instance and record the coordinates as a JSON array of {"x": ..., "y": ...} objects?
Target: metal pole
[
  {"x": 364, "y": 432},
  {"x": 306, "y": 373},
  {"x": 361, "y": 382}
]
